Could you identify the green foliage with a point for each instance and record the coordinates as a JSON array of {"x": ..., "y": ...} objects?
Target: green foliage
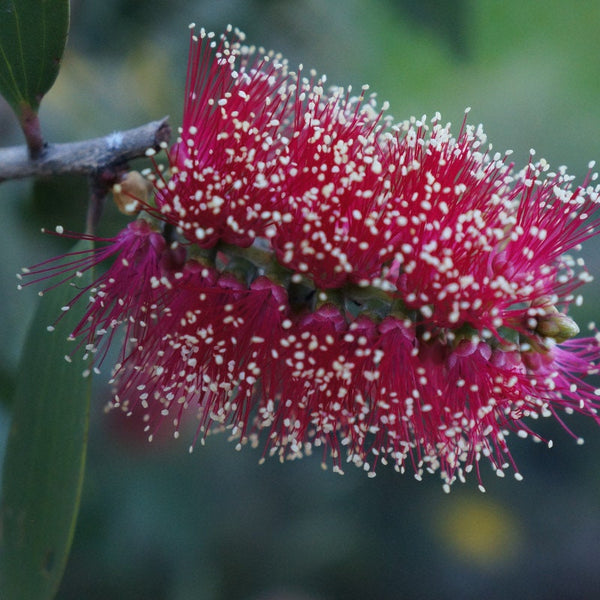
[
  {"x": 33, "y": 34},
  {"x": 45, "y": 455}
]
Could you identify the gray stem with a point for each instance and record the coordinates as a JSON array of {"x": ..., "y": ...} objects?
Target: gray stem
[{"x": 86, "y": 158}]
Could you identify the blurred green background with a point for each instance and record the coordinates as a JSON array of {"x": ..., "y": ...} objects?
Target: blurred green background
[{"x": 158, "y": 523}]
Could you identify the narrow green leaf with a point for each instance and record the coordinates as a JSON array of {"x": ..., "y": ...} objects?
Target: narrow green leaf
[
  {"x": 45, "y": 455},
  {"x": 33, "y": 34}
]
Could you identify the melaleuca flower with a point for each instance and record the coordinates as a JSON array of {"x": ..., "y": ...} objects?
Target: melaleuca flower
[
  {"x": 333, "y": 189},
  {"x": 479, "y": 245},
  {"x": 115, "y": 297},
  {"x": 311, "y": 277},
  {"x": 230, "y": 138},
  {"x": 208, "y": 349}
]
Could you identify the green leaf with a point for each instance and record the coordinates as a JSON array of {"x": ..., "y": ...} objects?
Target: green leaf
[
  {"x": 33, "y": 34},
  {"x": 45, "y": 454}
]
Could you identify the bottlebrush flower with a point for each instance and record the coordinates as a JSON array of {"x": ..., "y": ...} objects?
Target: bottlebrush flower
[
  {"x": 377, "y": 292},
  {"x": 333, "y": 189},
  {"x": 115, "y": 297},
  {"x": 480, "y": 245},
  {"x": 230, "y": 137}
]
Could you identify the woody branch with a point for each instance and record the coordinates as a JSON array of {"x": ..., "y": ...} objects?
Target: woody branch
[{"x": 101, "y": 156}]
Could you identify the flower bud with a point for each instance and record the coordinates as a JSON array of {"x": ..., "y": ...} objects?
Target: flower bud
[
  {"x": 557, "y": 326},
  {"x": 131, "y": 193}
]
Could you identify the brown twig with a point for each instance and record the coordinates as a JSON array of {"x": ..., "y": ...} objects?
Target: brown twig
[
  {"x": 98, "y": 156},
  {"x": 30, "y": 124}
]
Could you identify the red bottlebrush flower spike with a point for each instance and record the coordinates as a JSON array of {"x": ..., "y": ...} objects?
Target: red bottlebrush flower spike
[{"x": 327, "y": 280}]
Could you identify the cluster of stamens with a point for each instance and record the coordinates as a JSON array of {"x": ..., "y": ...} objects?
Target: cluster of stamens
[{"x": 313, "y": 273}]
